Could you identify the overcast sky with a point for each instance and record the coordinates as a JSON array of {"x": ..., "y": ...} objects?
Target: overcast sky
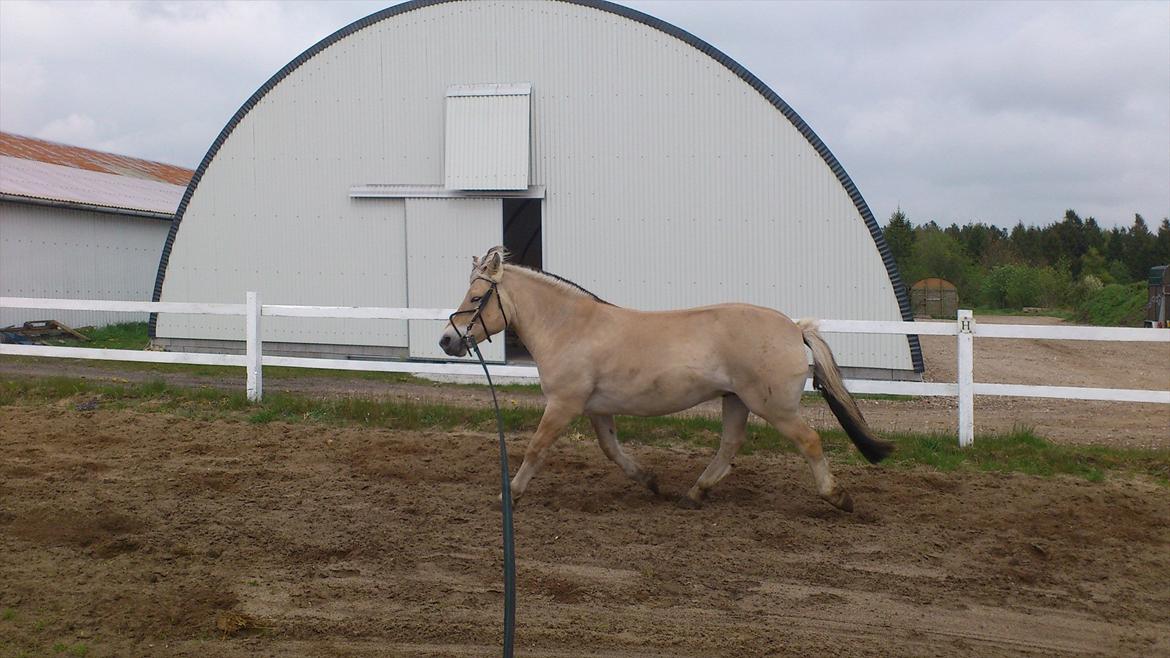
[{"x": 990, "y": 111}]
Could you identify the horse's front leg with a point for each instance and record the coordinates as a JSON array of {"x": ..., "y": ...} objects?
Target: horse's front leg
[{"x": 557, "y": 414}]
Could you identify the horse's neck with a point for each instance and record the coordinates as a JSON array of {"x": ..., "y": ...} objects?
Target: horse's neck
[{"x": 546, "y": 314}]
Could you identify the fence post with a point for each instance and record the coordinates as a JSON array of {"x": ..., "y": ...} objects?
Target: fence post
[
  {"x": 966, "y": 377},
  {"x": 254, "y": 347}
]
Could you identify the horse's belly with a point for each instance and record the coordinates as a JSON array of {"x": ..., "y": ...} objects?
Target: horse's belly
[
  {"x": 655, "y": 397},
  {"x": 638, "y": 407}
]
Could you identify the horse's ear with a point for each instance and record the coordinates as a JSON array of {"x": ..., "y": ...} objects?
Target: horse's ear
[{"x": 493, "y": 265}]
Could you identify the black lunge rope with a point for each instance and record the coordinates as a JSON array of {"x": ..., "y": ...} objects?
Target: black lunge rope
[{"x": 506, "y": 507}]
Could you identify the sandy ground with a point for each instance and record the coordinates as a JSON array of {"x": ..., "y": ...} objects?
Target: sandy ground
[
  {"x": 1056, "y": 363},
  {"x": 153, "y": 534}
]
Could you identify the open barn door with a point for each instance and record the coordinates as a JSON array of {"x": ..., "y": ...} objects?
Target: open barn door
[{"x": 441, "y": 237}]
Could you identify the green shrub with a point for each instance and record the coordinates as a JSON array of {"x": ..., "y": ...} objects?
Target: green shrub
[
  {"x": 1017, "y": 286},
  {"x": 1080, "y": 291},
  {"x": 1116, "y": 304}
]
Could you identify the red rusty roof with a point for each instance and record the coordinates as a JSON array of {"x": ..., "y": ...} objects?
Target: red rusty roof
[{"x": 28, "y": 148}]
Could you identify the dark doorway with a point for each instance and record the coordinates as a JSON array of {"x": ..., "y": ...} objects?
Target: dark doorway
[{"x": 523, "y": 241}]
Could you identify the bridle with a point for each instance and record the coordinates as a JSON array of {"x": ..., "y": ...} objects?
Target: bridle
[{"x": 492, "y": 291}]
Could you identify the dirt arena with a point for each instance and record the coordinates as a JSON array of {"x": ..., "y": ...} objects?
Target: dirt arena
[
  {"x": 136, "y": 534},
  {"x": 140, "y": 533}
]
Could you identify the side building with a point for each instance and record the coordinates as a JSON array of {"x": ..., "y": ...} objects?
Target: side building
[{"x": 81, "y": 224}]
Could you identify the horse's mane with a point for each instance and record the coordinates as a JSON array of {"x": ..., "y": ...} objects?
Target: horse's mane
[{"x": 560, "y": 281}]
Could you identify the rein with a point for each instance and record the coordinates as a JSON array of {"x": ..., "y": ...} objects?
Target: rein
[{"x": 505, "y": 485}]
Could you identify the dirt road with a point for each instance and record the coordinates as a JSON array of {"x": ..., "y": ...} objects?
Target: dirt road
[{"x": 130, "y": 533}]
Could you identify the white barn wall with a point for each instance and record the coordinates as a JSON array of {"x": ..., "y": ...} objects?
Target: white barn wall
[
  {"x": 65, "y": 253},
  {"x": 669, "y": 180}
]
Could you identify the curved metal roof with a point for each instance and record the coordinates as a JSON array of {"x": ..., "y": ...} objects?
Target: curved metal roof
[
  {"x": 30, "y": 181},
  {"x": 76, "y": 157},
  {"x": 875, "y": 230}
]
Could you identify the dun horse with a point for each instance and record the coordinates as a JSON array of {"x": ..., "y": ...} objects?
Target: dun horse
[{"x": 598, "y": 359}]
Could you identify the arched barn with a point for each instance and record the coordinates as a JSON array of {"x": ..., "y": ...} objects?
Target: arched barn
[{"x": 593, "y": 141}]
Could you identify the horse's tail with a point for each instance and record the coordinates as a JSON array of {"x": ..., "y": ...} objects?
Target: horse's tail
[{"x": 827, "y": 379}]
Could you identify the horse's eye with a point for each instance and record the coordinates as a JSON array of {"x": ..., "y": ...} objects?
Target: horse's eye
[{"x": 475, "y": 299}]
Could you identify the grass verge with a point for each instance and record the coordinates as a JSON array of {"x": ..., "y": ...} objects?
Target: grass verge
[{"x": 1020, "y": 451}]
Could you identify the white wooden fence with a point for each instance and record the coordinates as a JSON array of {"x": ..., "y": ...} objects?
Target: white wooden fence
[{"x": 965, "y": 329}]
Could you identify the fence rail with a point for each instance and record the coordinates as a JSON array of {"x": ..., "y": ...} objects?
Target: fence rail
[{"x": 965, "y": 329}]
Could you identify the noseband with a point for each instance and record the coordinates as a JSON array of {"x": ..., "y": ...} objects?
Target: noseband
[{"x": 478, "y": 311}]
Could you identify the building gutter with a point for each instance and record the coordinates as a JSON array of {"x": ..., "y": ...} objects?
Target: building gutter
[{"x": 73, "y": 205}]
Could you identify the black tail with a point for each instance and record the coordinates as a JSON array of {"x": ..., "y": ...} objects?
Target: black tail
[{"x": 827, "y": 379}]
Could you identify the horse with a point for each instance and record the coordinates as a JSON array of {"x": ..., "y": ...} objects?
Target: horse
[{"x": 601, "y": 360}]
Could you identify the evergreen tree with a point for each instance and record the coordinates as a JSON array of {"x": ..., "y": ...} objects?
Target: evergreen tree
[
  {"x": 1139, "y": 252},
  {"x": 1026, "y": 242},
  {"x": 899, "y": 233},
  {"x": 1094, "y": 238},
  {"x": 1162, "y": 243},
  {"x": 1115, "y": 240},
  {"x": 978, "y": 238},
  {"x": 1067, "y": 240}
]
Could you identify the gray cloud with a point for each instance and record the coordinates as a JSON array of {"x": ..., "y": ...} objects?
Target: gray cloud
[{"x": 956, "y": 111}]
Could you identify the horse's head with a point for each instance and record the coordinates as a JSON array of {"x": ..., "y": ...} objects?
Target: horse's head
[{"x": 481, "y": 315}]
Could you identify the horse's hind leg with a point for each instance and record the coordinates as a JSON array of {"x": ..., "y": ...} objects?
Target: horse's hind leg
[
  {"x": 607, "y": 439},
  {"x": 808, "y": 442},
  {"x": 735, "y": 415}
]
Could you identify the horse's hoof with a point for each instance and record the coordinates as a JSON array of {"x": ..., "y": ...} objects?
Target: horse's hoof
[
  {"x": 651, "y": 482},
  {"x": 686, "y": 502},
  {"x": 841, "y": 500},
  {"x": 499, "y": 502}
]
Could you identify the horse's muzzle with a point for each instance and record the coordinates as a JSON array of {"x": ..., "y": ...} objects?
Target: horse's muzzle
[{"x": 452, "y": 345}]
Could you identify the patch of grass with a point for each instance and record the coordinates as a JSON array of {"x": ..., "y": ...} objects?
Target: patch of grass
[
  {"x": 263, "y": 416},
  {"x": 125, "y": 336},
  {"x": 80, "y": 649},
  {"x": 164, "y": 397},
  {"x": 1020, "y": 451},
  {"x": 516, "y": 388},
  {"x": 1062, "y": 313},
  {"x": 283, "y": 372},
  {"x": 9, "y": 614}
]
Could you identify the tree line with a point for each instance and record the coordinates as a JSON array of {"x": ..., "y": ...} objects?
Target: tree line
[{"x": 1060, "y": 265}]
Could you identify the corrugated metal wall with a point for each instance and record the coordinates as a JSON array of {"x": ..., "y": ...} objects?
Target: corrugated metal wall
[
  {"x": 670, "y": 182},
  {"x": 441, "y": 237},
  {"x": 76, "y": 254}
]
